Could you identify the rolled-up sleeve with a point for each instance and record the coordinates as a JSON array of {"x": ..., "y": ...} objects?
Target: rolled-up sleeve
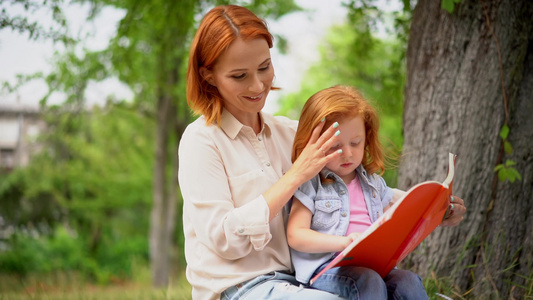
[{"x": 251, "y": 220}]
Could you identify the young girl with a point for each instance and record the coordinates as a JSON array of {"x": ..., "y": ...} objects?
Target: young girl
[{"x": 344, "y": 199}]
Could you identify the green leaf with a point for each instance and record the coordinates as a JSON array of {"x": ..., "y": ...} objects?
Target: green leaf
[
  {"x": 507, "y": 171},
  {"x": 447, "y": 5},
  {"x": 504, "y": 132},
  {"x": 511, "y": 175},
  {"x": 502, "y": 174},
  {"x": 508, "y": 148},
  {"x": 516, "y": 173},
  {"x": 510, "y": 163},
  {"x": 498, "y": 167}
]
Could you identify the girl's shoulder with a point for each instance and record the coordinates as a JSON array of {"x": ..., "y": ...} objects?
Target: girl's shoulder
[{"x": 374, "y": 179}]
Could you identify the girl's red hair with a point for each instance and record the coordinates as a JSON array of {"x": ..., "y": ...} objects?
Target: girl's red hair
[
  {"x": 335, "y": 104},
  {"x": 218, "y": 29}
]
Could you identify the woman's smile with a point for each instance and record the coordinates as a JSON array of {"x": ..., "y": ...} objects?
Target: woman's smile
[{"x": 255, "y": 98}]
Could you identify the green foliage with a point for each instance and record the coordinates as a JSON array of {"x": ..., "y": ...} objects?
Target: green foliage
[
  {"x": 94, "y": 175},
  {"x": 449, "y": 5},
  {"x": 29, "y": 252},
  {"x": 507, "y": 171},
  {"x": 270, "y": 8},
  {"x": 435, "y": 287},
  {"x": 373, "y": 65},
  {"x": 64, "y": 250},
  {"x": 58, "y": 32}
]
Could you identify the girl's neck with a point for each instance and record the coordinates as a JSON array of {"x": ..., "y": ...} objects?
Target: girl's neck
[{"x": 348, "y": 178}]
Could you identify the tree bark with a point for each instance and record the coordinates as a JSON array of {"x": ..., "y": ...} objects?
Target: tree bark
[
  {"x": 179, "y": 20},
  {"x": 455, "y": 102},
  {"x": 159, "y": 235}
]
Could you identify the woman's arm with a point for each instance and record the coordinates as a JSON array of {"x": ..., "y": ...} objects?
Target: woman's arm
[
  {"x": 302, "y": 238},
  {"x": 211, "y": 213}
]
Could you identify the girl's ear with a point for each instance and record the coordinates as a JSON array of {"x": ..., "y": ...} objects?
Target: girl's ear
[{"x": 207, "y": 75}]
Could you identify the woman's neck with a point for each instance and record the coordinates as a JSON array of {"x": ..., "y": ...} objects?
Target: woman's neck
[{"x": 253, "y": 121}]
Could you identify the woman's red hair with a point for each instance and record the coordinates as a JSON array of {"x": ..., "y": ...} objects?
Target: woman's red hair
[
  {"x": 335, "y": 104},
  {"x": 219, "y": 28}
]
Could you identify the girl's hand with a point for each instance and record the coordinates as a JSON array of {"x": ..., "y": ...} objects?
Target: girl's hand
[
  {"x": 457, "y": 211},
  {"x": 351, "y": 237},
  {"x": 313, "y": 157}
]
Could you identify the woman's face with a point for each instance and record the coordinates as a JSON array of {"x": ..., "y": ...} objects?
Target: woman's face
[{"x": 243, "y": 75}]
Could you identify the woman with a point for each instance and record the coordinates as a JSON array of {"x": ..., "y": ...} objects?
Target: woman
[{"x": 235, "y": 173}]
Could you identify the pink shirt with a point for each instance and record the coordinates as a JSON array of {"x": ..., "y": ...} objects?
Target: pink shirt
[{"x": 359, "y": 218}]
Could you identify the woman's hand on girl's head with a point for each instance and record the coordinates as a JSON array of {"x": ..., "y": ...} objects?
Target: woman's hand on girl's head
[
  {"x": 457, "y": 211},
  {"x": 314, "y": 156}
]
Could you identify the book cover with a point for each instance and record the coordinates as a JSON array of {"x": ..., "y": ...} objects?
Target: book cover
[{"x": 400, "y": 229}]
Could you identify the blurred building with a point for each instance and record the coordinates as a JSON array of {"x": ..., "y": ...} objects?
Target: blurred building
[{"x": 19, "y": 128}]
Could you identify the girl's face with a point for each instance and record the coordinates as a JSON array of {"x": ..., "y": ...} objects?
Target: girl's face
[
  {"x": 352, "y": 142},
  {"x": 243, "y": 75}
]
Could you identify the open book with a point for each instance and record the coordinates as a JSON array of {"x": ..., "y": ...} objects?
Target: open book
[{"x": 400, "y": 229}]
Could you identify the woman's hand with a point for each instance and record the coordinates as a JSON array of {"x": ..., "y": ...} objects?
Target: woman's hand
[
  {"x": 457, "y": 211},
  {"x": 313, "y": 157}
]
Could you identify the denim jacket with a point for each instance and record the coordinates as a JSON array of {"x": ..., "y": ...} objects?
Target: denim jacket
[{"x": 330, "y": 205}]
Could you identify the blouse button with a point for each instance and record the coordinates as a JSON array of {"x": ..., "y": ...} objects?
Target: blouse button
[
  {"x": 267, "y": 164},
  {"x": 259, "y": 138},
  {"x": 343, "y": 192},
  {"x": 328, "y": 204},
  {"x": 343, "y": 214},
  {"x": 241, "y": 230}
]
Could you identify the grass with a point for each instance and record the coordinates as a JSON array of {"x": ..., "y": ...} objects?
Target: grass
[{"x": 70, "y": 286}]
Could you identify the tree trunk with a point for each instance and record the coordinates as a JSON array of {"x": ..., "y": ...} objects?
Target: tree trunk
[
  {"x": 159, "y": 239},
  {"x": 455, "y": 102},
  {"x": 165, "y": 194}
]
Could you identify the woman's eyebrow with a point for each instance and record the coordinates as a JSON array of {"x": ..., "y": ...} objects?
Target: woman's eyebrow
[{"x": 244, "y": 69}]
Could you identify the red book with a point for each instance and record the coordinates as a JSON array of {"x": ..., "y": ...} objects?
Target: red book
[{"x": 400, "y": 229}]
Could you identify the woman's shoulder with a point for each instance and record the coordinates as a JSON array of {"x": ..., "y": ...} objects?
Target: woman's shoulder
[
  {"x": 277, "y": 122},
  {"x": 198, "y": 126},
  {"x": 199, "y": 132}
]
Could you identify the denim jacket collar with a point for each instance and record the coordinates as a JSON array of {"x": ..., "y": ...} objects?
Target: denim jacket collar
[{"x": 327, "y": 173}]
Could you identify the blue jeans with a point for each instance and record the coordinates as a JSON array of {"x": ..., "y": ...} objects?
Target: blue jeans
[
  {"x": 362, "y": 283},
  {"x": 274, "y": 286}
]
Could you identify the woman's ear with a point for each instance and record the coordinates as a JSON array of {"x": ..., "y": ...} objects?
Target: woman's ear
[{"x": 207, "y": 75}]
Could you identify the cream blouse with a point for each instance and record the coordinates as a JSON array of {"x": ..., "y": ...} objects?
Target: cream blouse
[{"x": 223, "y": 172}]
